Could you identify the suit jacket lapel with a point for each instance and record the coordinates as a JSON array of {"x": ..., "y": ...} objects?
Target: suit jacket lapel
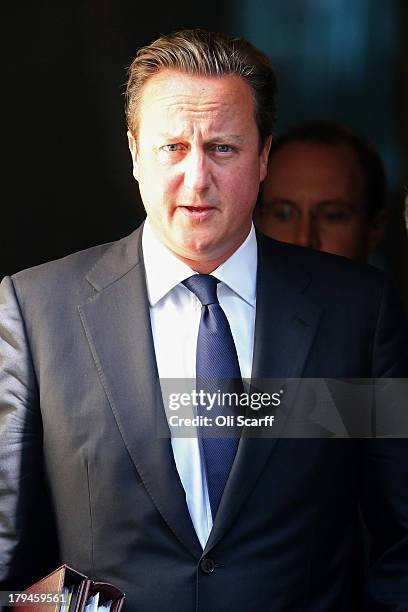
[
  {"x": 286, "y": 323},
  {"x": 117, "y": 325},
  {"x": 286, "y": 320}
]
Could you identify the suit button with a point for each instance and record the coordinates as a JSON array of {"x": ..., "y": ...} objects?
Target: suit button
[{"x": 207, "y": 565}]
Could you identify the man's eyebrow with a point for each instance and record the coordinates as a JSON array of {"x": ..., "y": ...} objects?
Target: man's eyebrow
[
  {"x": 234, "y": 138},
  {"x": 338, "y": 201},
  {"x": 279, "y": 201},
  {"x": 227, "y": 138},
  {"x": 168, "y": 136}
]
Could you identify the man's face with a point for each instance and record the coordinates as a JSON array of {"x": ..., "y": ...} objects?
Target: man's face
[
  {"x": 196, "y": 158},
  {"x": 314, "y": 196}
]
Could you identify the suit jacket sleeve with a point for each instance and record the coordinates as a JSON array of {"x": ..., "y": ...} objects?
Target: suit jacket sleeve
[
  {"x": 27, "y": 545},
  {"x": 385, "y": 464}
]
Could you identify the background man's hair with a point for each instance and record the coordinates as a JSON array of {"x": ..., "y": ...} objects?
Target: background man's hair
[
  {"x": 335, "y": 134},
  {"x": 205, "y": 54}
]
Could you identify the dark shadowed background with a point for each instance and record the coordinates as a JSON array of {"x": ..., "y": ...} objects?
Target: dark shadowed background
[{"x": 67, "y": 181}]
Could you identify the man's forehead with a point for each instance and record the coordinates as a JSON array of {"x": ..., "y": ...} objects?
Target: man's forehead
[
  {"x": 166, "y": 84},
  {"x": 313, "y": 172},
  {"x": 173, "y": 103},
  {"x": 308, "y": 149}
]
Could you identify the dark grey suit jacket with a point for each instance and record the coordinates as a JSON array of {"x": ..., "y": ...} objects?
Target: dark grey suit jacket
[{"x": 85, "y": 480}]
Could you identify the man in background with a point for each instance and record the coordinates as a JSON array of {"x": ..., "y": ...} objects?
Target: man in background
[{"x": 325, "y": 189}]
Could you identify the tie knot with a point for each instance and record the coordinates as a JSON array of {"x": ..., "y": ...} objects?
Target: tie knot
[{"x": 204, "y": 286}]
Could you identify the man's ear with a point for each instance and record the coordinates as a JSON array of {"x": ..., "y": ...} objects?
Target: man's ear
[
  {"x": 134, "y": 153},
  {"x": 263, "y": 169},
  {"x": 376, "y": 230}
]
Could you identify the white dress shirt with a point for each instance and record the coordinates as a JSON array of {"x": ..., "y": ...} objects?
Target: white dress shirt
[{"x": 175, "y": 316}]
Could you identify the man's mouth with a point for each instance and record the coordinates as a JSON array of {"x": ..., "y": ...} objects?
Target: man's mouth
[{"x": 198, "y": 212}]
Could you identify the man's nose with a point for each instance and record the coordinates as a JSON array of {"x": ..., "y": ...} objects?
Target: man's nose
[
  {"x": 196, "y": 172},
  {"x": 307, "y": 232}
]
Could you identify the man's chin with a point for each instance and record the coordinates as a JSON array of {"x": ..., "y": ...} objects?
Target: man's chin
[
  {"x": 195, "y": 253},
  {"x": 195, "y": 243},
  {"x": 201, "y": 251}
]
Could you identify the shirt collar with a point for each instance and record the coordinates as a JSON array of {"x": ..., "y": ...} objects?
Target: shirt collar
[{"x": 164, "y": 270}]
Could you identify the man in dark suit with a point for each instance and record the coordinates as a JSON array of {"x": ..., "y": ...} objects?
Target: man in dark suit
[{"x": 87, "y": 341}]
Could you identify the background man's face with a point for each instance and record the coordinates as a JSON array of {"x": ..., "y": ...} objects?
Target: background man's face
[
  {"x": 198, "y": 164},
  {"x": 314, "y": 196}
]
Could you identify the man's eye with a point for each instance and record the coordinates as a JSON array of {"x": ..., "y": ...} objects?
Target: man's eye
[
  {"x": 282, "y": 212},
  {"x": 172, "y": 147},
  {"x": 283, "y": 215},
  {"x": 223, "y": 148},
  {"x": 333, "y": 216},
  {"x": 336, "y": 216}
]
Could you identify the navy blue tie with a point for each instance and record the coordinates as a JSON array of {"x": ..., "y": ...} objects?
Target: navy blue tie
[{"x": 217, "y": 370}]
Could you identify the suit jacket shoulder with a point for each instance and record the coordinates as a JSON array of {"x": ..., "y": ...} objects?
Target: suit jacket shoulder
[
  {"x": 96, "y": 266},
  {"x": 347, "y": 314}
]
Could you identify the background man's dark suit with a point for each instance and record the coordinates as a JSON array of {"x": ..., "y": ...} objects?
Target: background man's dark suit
[{"x": 79, "y": 379}]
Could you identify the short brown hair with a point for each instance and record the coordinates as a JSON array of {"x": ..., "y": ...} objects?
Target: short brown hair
[{"x": 210, "y": 54}]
